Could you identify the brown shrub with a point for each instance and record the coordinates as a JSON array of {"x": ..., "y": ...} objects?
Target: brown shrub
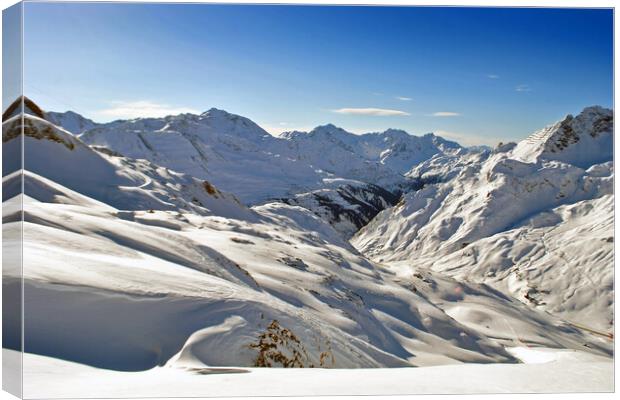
[
  {"x": 209, "y": 188},
  {"x": 280, "y": 346}
]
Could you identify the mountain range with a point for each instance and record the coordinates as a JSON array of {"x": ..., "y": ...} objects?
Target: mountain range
[{"x": 202, "y": 240}]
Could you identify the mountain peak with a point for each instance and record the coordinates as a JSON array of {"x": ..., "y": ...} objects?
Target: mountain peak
[
  {"x": 592, "y": 121},
  {"x": 25, "y": 105},
  {"x": 582, "y": 140},
  {"x": 71, "y": 121},
  {"x": 218, "y": 116},
  {"x": 215, "y": 111},
  {"x": 327, "y": 128},
  {"x": 596, "y": 109}
]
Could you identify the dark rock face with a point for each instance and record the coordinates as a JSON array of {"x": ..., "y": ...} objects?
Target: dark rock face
[
  {"x": 604, "y": 124},
  {"x": 348, "y": 207},
  {"x": 568, "y": 136},
  {"x": 592, "y": 121}
]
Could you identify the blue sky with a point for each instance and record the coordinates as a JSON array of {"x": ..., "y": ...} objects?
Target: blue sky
[{"x": 476, "y": 75}]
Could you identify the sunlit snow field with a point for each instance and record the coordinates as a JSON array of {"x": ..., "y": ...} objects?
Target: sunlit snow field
[
  {"x": 544, "y": 371},
  {"x": 492, "y": 273}
]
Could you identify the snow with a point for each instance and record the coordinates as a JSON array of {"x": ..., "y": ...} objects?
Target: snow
[
  {"x": 120, "y": 182},
  {"x": 496, "y": 266},
  {"x": 531, "y": 355},
  {"x": 83, "y": 261},
  {"x": 582, "y": 141},
  {"x": 561, "y": 372},
  {"x": 522, "y": 219},
  {"x": 240, "y": 157},
  {"x": 71, "y": 121},
  {"x": 229, "y": 151},
  {"x": 211, "y": 276}
]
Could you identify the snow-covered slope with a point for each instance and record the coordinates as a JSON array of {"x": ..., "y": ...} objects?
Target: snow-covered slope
[
  {"x": 560, "y": 261},
  {"x": 132, "y": 266},
  {"x": 581, "y": 141},
  {"x": 531, "y": 219},
  {"x": 240, "y": 157},
  {"x": 187, "y": 277},
  {"x": 444, "y": 167},
  {"x": 218, "y": 288},
  {"x": 549, "y": 371},
  {"x": 127, "y": 184},
  {"x": 71, "y": 121},
  {"x": 214, "y": 286},
  {"x": 340, "y": 153},
  {"x": 230, "y": 151},
  {"x": 378, "y": 158}
]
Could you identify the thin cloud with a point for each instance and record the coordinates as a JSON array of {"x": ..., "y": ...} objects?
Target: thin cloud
[
  {"x": 380, "y": 112},
  {"x": 445, "y": 114},
  {"x": 523, "y": 88},
  {"x": 493, "y": 76},
  {"x": 142, "y": 109},
  {"x": 404, "y": 98}
]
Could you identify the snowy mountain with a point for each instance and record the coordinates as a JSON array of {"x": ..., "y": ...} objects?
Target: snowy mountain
[
  {"x": 372, "y": 157},
  {"x": 71, "y": 121},
  {"x": 582, "y": 141},
  {"x": 334, "y": 151},
  {"x": 236, "y": 154},
  {"x": 215, "y": 283},
  {"x": 530, "y": 219},
  {"x": 300, "y": 167},
  {"x": 60, "y": 157},
  {"x": 230, "y": 151}
]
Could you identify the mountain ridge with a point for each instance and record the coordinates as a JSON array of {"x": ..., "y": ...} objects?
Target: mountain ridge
[
  {"x": 212, "y": 280},
  {"x": 475, "y": 216},
  {"x": 298, "y": 162}
]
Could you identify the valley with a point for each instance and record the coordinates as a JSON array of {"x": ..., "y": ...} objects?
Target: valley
[{"x": 158, "y": 247}]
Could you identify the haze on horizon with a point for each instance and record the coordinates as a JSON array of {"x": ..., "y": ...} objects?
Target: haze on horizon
[{"x": 474, "y": 75}]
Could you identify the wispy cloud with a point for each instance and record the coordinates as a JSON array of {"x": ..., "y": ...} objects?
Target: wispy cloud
[
  {"x": 141, "y": 109},
  {"x": 445, "y": 114},
  {"x": 466, "y": 139},
  {"x": 523, "y": 88},
  {"x": 493, "y": 76},
  {"x": 403, "y": 98},
  {"x": 380, "y": 112}
]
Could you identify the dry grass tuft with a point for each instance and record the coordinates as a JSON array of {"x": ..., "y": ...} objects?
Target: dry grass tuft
[
  {"x": 209, "y": 188},
  {"x": 280, "y": 347}
]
